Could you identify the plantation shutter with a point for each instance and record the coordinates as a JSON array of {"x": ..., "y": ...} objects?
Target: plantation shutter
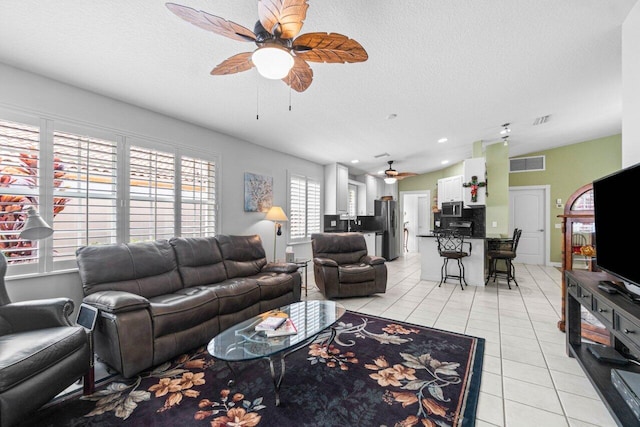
[
  {"x": 198, "y": 197},
  {"x": 297, "y": 208},
  {"x": 151, "y": 194},
  {"x": 304, "y": 208},
  {"x": 84, "y": 194},
  {"x": 19, "y": 188}
]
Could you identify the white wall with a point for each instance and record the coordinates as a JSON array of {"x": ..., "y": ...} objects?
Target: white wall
[
  {"x": 631, "y": 88},
  {"x": 24, "y": 92}
]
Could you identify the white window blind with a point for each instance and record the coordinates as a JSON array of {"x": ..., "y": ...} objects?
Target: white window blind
[
  {"x": 84, "y": 194},
  {"x": 304, "y": 207},
  {"x": 198, "y": 197},
  {"x": 19, "y": 188},
  {"x": 151, "y": 194}
]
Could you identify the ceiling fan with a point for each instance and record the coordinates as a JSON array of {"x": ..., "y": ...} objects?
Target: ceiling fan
[
  {"x": 392, "y": 175},
  {"x": 275, "y": 34}
]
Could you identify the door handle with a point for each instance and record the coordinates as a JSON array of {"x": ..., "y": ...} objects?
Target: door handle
[{"x": 541, "y": 229}]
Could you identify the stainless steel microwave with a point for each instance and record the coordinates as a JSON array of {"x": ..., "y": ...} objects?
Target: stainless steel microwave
[{"x": 451, "y": 209}]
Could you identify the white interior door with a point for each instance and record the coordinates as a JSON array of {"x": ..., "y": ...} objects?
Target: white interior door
[
  {"x": 424, "y": 215},
  {"x": 527, "y": 211}
]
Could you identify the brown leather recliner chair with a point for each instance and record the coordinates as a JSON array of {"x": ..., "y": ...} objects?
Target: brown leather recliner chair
[
  {"x": 342, "y": 268},
  {"x": 41, "y": 352}
]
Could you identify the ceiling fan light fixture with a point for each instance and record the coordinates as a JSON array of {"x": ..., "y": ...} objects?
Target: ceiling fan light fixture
[
  {"x": 272, "y": 62},
  {"x": 390, "y": 180}
]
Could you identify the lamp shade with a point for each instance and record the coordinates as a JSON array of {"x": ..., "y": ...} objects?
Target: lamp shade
[
  {"x": 34, "y": 227},
  {"x": 276, "y": 214},
  {"x": 272, "y": 62}
]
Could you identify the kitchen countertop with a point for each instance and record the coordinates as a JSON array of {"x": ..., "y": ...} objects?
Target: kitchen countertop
[
  {"x": 353, "y": 231},
  {"x": 466, "y": 237}
]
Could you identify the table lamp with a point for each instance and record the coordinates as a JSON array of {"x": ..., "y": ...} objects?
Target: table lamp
[{"x": 277, "y": 215}]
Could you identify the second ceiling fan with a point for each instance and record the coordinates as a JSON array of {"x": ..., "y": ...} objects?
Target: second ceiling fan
[{"x": 391, "y": 175}]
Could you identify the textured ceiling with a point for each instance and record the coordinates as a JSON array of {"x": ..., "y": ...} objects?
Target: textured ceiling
[{"x": 455, "y": 69}]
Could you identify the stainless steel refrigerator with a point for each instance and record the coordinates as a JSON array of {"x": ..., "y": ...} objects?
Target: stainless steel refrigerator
[{"x": 387, "y": 217}]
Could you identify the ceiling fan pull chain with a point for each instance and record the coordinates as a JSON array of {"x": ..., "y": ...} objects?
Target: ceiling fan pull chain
[
  {"x": 257, "y": 98},
  {"x": 289, "y": 97}
]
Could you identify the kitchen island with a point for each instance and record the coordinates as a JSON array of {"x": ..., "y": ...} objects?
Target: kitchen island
[{"x": 431, "y": 262}]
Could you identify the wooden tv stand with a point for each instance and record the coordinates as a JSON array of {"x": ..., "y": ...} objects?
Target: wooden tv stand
[{"x": 621, "y": 317}]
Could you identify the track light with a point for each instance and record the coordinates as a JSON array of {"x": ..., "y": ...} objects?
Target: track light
[
  {"x": 506, "y": 140},
  {"x": 505, "y": 129}
]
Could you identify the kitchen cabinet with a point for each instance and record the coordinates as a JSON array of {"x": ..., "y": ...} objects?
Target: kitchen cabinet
[
  {"x": 373, "y": 190},
  {"x": 370, "y": 238},
  {"x": 450, "y": 189},
  {"x": 336, "y": 189},
  {"x": 474, "y": 167}
]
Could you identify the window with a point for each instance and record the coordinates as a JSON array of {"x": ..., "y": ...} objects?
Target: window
[
  {"x": 19, "y": 188},
  {"x": 151, "y": 194},
  {"x": 84, "y": 194},
  {"x": 198, "y": 197},
  {"x": 95, "y": 187},
  {"x": 304, "y": 208}
]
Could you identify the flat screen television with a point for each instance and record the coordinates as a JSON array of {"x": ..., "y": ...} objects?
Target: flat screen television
[{"x": 617, "y": 230}]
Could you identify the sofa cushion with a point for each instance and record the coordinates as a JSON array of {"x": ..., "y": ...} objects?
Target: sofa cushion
[
  {"x": 34, "y": 351},
  {"x": 243, "y": 255},
  {"x": 143, "y": 268},
  {"x": 182, "y": 310},
  {"x": 356, "y": 273},
  {"x": 199, "y": 260},
  {"x": 235, "y": 295},
  {"x": 274, "y": 285}
]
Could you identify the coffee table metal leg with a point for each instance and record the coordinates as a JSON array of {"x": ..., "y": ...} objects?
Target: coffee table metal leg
[
  {"x": 277, "y": 381},
  {"x": 232, "y": 381}
]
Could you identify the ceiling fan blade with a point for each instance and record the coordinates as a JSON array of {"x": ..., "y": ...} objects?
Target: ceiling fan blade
[
  {"x": 403, "y": 175},
  {"x": 329, "y": 47},
  {"x": 235, "y": 64},
  {"x": 282, "y": 18},
  {"x": 212, "y": 23},
  {"x": 300, "y": 76}
]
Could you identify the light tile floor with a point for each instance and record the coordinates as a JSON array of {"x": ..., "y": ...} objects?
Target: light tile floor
[{"x": 527, "y": 378}]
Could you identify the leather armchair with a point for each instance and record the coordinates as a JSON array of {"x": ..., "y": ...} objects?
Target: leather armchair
[
  {"x": 41, "y": 352},
  {"x": 342, "y": 268}
]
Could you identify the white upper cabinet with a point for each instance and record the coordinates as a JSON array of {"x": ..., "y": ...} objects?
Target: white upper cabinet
[
  {"x": 450, "y": 189},
  {"x": 475, "y": 167},
  {"x": 336, "y": 189}
]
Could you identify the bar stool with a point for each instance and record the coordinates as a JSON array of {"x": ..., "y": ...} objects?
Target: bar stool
[
  {"x": 451, "y": 246},
  {"x": 505, "y": 251}
]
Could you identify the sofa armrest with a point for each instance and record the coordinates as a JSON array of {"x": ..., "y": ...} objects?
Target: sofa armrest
[
  {"x": 372, "y": 259},
  {"x": 116, "y": 301},
  {"x": 325, "y": 262},
  {"x": 37, "y": 314},
  {"x": 280, "y": 267}
]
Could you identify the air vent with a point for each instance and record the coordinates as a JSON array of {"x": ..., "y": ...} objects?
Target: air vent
[
  {"x": 541, "y": 120},
  {"x": 382, "y": 155},
  {"x": 527, "y": 164}
]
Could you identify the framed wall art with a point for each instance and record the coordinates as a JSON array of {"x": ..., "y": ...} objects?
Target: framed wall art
[{"x": 258, "y": 192}]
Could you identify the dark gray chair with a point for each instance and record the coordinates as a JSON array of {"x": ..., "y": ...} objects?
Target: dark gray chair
[
  {"x": 41, "y": 352},
  {"x": 342, "y": 268},
  {"x": 506, "y": 250},
  {"x": 451, "y": 246}
]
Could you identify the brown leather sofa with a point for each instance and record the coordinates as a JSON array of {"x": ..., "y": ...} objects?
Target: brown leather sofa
[
  {"x": 41, "y": 352},
  {"x": 162, "y": 298},
  {"x": 342, "y": 267}
]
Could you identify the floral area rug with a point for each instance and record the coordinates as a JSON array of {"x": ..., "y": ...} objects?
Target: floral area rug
[{"x": 377, "y": 372}]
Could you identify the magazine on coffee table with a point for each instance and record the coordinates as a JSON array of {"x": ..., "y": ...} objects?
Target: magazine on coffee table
[
  {"x": 270, "y": 323},
  {"x": 287, "y": 328}
]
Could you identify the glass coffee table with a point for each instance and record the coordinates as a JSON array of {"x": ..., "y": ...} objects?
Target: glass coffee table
[{"x": 242, "y": 343}]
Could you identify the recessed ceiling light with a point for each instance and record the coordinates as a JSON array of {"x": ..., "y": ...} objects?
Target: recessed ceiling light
[
  {"x": 442, "y": 140},
  {"x": 355, "y": 161},
  {"x": 392, "y": 116},
  {"x": 444, "y": 162}
]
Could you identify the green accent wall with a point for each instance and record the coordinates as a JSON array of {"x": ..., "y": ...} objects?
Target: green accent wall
[{"x": 566, "y": 169}]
